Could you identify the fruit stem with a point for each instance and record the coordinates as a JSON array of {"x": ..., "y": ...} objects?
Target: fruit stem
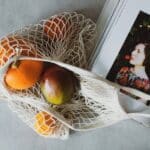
[{"x": 15, "y": 64}]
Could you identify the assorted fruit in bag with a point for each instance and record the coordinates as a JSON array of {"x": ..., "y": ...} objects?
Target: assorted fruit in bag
[
  {"x": 43, "y": 77},
  {"x": 31, "y": 83}
]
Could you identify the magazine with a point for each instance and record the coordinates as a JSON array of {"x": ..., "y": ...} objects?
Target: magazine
[{"x": 123, "y": 51}]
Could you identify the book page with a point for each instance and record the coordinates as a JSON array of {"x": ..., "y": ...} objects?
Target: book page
[{"x": 118, "y": 60}]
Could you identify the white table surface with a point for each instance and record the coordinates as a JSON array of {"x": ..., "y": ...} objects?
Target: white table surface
[{"x": 15, "y": 135}]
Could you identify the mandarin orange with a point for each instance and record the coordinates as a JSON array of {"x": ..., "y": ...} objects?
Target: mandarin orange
[{"x": 24, "y": 74}]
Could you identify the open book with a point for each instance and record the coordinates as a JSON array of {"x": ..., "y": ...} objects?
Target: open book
[{"x": 123, "y": 50}]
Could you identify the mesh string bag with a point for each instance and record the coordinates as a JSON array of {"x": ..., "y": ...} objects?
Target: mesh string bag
[{"x": 67, "y": 40}]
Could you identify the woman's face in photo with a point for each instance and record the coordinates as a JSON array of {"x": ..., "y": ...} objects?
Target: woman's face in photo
[{"x": 138, "y": 55}]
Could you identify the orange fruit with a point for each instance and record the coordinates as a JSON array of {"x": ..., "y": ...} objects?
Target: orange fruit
[
  {"x": 56, "y": 27},
  {"x": 10, "y": 43},
  {"x": 45, "y": 124},
  {"x": 24, "y": 74}
]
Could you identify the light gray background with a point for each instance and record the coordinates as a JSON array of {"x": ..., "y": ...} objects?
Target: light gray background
[{"x": 15, "y": 135}]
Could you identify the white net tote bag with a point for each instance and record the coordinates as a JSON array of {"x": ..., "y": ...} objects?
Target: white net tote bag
[
  {"x": 66, "y": 40},
  {"x": 67, "y": 37}
]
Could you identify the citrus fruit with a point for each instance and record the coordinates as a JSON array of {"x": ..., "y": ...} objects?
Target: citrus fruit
[
  {"x": 45, "y": 124},
  {"x": 56, "y": 27},
  {"x": 8, "y": 46},
  {"x": 24, "y": 74}
]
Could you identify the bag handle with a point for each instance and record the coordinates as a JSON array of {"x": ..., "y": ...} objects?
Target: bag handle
[{"x": 142, "y": 118}]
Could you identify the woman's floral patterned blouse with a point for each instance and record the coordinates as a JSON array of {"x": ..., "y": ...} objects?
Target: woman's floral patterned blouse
[{"x": 127, "y": 78}]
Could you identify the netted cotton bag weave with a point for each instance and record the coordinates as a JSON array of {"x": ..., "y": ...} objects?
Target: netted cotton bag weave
[
  {"x": 67, "y": 37},
  {"x": 67, "y": 40}
]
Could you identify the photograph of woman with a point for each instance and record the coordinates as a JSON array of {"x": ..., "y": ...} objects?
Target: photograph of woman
[
  {"x": 132, "y": 65},
  {"x": 137, "y": 76}
]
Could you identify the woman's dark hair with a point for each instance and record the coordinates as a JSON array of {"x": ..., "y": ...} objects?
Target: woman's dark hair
[{"x": 147, "y": 59}]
